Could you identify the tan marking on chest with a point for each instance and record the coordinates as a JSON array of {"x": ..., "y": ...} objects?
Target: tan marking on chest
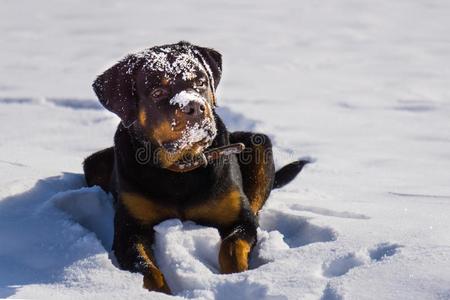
[
  {"x": 146, "y": 210},
  {"x": 223, "y": 210}
]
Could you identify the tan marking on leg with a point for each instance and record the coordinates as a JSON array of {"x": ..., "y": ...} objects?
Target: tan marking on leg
[
  {"x": 223, "y": 210},
  {"x": 242, "y": 250},
  {"x": 258, "y": 193},
  {"x": 153, "y": 279},
  {"x": 145, "y": 209},
  {"x": 257, "y": 199},
  {"x": 233, "y": 256}
]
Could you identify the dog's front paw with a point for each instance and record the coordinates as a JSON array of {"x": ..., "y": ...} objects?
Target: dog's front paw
[
  {"x": 155, "y": 281},
  {"x": 233, "y": 255}
]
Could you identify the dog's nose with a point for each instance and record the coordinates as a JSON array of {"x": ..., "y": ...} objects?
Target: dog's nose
[{"x": 194, "y": 109}]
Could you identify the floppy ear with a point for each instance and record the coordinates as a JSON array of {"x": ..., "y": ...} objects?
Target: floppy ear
[
  {"x": 213, "y": 63},
  {"x": 115, "y": 89}
]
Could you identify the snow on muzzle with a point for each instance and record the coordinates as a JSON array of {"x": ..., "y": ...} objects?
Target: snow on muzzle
[{"x": 200, "y": 128}]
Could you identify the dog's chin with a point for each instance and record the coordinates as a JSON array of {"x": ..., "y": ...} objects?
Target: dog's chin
[
  {"x": 193, "y": 139},
  {"x": 194, "y": 148},
  {"x": 171, "y": 153}
]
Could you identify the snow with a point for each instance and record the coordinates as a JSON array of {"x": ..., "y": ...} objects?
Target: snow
[
  {"x": 182, "y": 62},
  {"x": 184, "y": 97},
  {"x": 195, "y": 133},
  {"x": 361, "y": 86}
]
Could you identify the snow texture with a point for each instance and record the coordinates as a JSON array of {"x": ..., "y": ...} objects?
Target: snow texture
[
  {"x": 361, "y": 86},
  {"x": 195, "y": 133},
  {"x": 184, "y": 97},
  {"x": 172, "y": 62}
]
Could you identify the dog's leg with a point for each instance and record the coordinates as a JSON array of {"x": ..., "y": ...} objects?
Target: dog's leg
[
  {"x": 98, "y": 168},
  {"x": 237, "y": 243},
  {"x": 257, "y": 166},
  {"x": 132, "y": 248}
]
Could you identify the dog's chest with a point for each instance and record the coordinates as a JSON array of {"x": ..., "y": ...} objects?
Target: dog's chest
[{"x": 222, "y": 209}]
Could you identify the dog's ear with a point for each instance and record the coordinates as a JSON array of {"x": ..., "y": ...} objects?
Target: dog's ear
[
  {"x": 213, "y": 63},
  {"x": 115, "y": 89}
]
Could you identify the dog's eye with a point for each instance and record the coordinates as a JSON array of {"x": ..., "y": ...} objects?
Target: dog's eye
[
  {"x": 201, "y": 84},
  {"x": 158, "y": 93}
]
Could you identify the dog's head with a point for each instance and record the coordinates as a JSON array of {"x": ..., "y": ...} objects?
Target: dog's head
[{"x": 168, "y": 93}]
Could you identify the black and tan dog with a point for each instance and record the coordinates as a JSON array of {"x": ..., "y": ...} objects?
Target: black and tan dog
[{"x": 165, "y": 97}]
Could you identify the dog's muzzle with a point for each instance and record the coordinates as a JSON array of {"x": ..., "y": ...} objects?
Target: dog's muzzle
[{"x": 200, "y": 127}]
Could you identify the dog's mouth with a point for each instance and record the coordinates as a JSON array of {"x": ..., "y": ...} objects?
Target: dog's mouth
[{"x": 194, "y": 138}]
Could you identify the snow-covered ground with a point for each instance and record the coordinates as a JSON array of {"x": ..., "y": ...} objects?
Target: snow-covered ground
[{"x": 361, "y": 86}]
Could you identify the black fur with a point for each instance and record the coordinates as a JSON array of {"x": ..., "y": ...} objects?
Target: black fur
[{"x": 287, "y": 173}]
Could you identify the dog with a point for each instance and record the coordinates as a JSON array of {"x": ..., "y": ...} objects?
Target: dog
[{"x": 174, "y": 158}]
